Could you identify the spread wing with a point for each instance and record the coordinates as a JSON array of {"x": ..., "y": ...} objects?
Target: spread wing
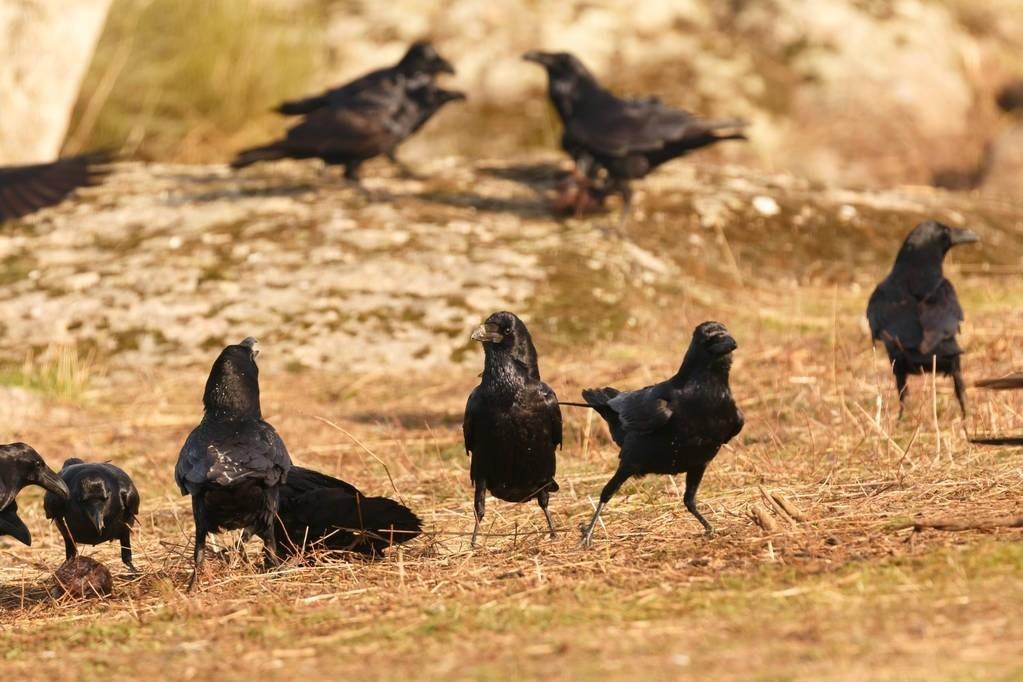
[
  {"x": 553, "y": 411},
  {"x": 223, "y": 457},
  {"x": 940, "y": 315},
  {"x": 24, "y": 189},
  {"x": 645, "y": 410}
]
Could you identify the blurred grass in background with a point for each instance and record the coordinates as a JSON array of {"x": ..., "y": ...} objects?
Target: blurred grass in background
[{"x": 180, "y": 79}]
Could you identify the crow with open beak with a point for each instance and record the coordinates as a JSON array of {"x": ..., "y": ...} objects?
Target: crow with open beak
[{"x": 20, "y": 465}]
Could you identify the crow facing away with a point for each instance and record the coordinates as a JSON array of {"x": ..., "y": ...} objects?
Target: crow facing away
[
  {"x": 233, "y": 463},
  {"x": 102, "y": 507},
  {"x": 512, "y": 424},
  {"x": 349, "y": 135},
  {"x": 675, "y": 426},
  {"x": 20, "y": 465},
  {"x": 322, "y": 512},
  {"x": 624, "y": 139},
  {"x": 914, "y": 311},
  {"x": 26, "y": 189}
]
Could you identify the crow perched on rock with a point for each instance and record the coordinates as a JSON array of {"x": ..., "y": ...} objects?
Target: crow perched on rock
[
  {"x": 26, "y": 189},
  {"x": 101, "y": 508},
  {"x": 512, "y": 425},
  {"x": 349, "y": 135},
  {"x": 233, "y": 463},
  {"x": 321, "y": 512},
  {"x": 20, "y": 466},
  {"x": 623, "y": 138},
  {"x": 914, "y": 311},
  {"x": 675, "y": 426}
]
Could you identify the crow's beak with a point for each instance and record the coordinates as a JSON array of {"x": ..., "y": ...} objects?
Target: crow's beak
[
  {"x": 537, "y": 57},
  {"x": 959, "y": 236},
  {"x": 441, "y": 65},
  {"x": 723, "y": 345},
  {"x": 96, "y": 517},
  {"x": 54, "y": 483},
  {"x": 487, "y": 333},
  {"x": 251, "y": 343}
]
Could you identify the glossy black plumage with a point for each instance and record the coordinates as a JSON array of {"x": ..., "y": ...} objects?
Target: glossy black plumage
[
  {"x": 675, "y": 426},
  {"x": 318, "y": 511},
  {"x": 915, "y": 312},
  {"x": 102, "y": 507},
  {"x": 20, "y": 465},
  {"x": 26, "y": 189},
  {"x": 233, "y": 463},
  {"x": 624, "y": 138},
  {"x": 512, "y": 424}
]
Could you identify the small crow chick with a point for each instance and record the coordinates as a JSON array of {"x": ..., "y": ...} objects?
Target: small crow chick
[
  {"x": 915, "y": 311},
  {"x": 319, "y": 511},
  {"x": 512, "y": 424},
  {"x": 20, "y": 466},
  {"x": 233, "y": 463},
  {"x": 349, "y": 135},
  {"x": 26, "y": 189},
  {"x": 625, "y": 138},
  {"x": 674, "y": 426},
  {"x": 103, "y": 505}
]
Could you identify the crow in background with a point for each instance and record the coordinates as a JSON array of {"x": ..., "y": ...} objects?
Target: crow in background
[
  {"x": 512, "y": 425},
  {"x": 26, "y": 189},
  {"x": 321, "y": 512},
  {"x": 233, "y": 463},
  {"x": 623, "y": 138},
  {"x": 20, "y": 466},
  {"x": 102, "y": 507},
  {"x": 915, "y": 311},
  {"x": 675, "y": 426},
  {"x": 349, "y": 135}
]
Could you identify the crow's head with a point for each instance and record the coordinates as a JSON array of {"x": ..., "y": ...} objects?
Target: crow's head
[
  {"x": 565, "y": 75},
  {"x": 232, "y": 391},
  {"x": 422, "y": 58},
  {"x": 93, "y": 494},
  {"x": 710, "y": 348},
  {"x": 505, "y": 337},
  {"x": 931, "y": 240},
  {"x": 20, "y": 465}
]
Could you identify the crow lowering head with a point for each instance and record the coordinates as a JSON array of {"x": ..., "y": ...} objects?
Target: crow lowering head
[
  {"x": 505, "y": 338},
  {"x": 928, "y": 243},
  {"x": 422, "y": 57},
  {"x": 21, "y": 465},
  {"x": 232, "y": 390},
  {"x": 566, "y": 76},
  {"x": 93, "y": 494}
]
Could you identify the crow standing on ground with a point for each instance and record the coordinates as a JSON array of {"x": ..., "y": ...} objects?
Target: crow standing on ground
[
  {"x": 322, "y": 512},
  {"x": 675, "y": 426},
  {"x": 349, "y": 135},
  {"x": 20, "y": 466},
  {"x": 233, "y": 463},
  {"x": 25, "y": 189},
  {"x": 624, "y": 138},
  {"x": 512, "y": 424},
  {"x": 915, "y": 311},
  {"x": 102, "y": 507}
]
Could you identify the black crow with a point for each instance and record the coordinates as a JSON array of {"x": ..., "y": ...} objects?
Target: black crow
[
  {"x": 25, "y": 189},
  {"x": 20, "y": 466},
  {"x": 1010, "y": 97},
  {"x": 512, "y": 425},
  {"x": 233, "y": 463},
  {"x": 675, "y": 426},
  {"x": 624, "y": 138},
  {"x": 348, "y": 136},
  {"x": 102, "y": 507},
  {"x": 915, "y": 311},
  {"x": 380, "y": 88},
  {"x": 321, "y": 512}
]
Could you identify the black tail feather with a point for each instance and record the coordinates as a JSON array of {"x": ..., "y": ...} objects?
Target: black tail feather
[{"x": 247, "y": 157}]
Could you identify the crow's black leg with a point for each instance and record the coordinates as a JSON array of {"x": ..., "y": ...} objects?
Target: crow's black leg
[
  {"x": 606, "y": 494},
  {"x": 352, "y": 171},
  {"x": 542, "y": 498},
  {"x": 126, "y": 557},
  {"x": 201, "y": 531},
  {"x": 479, "y": 508},
  {"x": 693, "y": 478},
  {"x": 70, "y": 548},
  {"x": 957, "y": 381}
]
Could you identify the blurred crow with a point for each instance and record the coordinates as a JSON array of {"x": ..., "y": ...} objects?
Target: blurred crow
[
  {"x": 349, "y": 135},
  {"x": 624, "y": 138},
  {"x": 25, "y": 189},
  {"x": 512, "y": 421},
  {"x": 915, "y": 311},
  {"x": 1010, "y": 97},
  {"x": 319, "y": 511},
  {"x": 674, "y": 426},
  {"x": 380, "y": 89},
  {"x": 233, "y": 463},
  {"x": 20, "y": 466},
  {"x": 102, "y": 507}
]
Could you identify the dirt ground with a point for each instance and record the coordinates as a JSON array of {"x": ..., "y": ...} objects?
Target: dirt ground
[{"x": 842, "y": 587}]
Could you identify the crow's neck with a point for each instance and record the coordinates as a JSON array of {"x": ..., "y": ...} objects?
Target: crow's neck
[
  {"x": 507, "y": 369},
  {"x": 920, "y": 272},
  {"x": 704, "y": 370}
]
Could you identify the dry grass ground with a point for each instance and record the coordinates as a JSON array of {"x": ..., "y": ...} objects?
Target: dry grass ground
[{"x": 844, "y": 588}]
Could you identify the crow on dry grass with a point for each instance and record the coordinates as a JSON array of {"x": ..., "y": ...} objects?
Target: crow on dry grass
[{"x": 21, "y": 465}]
